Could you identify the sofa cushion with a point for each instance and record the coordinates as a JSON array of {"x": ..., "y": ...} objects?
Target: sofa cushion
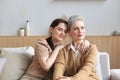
[
  {"x": 17, "y": 62},
  {"x": 2, "y": 62},
  {"x": 115, "y": 74}
]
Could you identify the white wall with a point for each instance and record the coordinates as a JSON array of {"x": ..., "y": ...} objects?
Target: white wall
[{"x": 102, "y": 16}]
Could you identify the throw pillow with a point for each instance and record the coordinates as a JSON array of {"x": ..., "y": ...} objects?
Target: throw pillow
[
  {"x": 27, "y": 51},
  {"x": 17, "y": 62}
]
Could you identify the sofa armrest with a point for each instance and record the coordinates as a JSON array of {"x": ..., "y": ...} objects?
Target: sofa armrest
[
  {"x": 115, "y": 74},
  {"x": 105, "y": 65}
]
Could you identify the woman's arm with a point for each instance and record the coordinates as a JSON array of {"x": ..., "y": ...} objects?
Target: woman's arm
[
  {"x": 46, "y": 59},
  {"x": 59, "y": 66},
  {"x": 88, "y": 65}
]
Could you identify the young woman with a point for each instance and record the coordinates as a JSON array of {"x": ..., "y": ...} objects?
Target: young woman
[
  {"x": 46, "y": 51},
  {"x": 71, "y": 63}
]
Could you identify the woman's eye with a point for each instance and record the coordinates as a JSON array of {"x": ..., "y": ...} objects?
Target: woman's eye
[
  {"x": 75, "y": 28},
  {"x": 82, "y": 27},
  {"x": 65, "y": 31},
  {"x": 59, "y": 29}
]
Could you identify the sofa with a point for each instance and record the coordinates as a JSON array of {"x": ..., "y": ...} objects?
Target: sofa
[
  {"x": 106, "y": 72},
  {"x": 14, "y": 62}
]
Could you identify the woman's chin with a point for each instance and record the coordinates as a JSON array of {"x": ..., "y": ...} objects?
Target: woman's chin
[
  {"x": 80, "y": 38},
  {"x": 60, "y": 40}
]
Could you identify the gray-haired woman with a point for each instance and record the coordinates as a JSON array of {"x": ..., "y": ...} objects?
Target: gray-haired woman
[{"x": 71, "y": 63}]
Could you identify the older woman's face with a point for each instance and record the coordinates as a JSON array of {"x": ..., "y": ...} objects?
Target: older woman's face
[{"x": 77, "y": 31}]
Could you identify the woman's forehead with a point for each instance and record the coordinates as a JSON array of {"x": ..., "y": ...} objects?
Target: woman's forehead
[{"x": 78, "y": 23}]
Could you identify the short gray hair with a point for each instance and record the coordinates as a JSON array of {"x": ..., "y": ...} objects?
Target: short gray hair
[{"x": 74, "y": 18}]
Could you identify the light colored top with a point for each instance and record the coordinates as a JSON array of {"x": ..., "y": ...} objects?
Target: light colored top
[
  {"x": 75, "y": 51},
  {"x": 42, "y": 49},
  {"x": 81, "y": 69}
]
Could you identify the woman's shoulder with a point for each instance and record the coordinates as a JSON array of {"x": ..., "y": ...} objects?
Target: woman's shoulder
[
  {"x": 66, "y": 47},
  {"x": 93, "y": 46},
  {"x": 41, "y": 42}
]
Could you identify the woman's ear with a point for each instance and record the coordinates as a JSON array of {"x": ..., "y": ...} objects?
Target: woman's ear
[{"x": 50, "y": 29}]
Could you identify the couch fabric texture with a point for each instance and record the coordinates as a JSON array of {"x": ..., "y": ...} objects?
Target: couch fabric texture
[
  {"x": 2, "y": 62},
  {"x": 98, "y": 66},
  {"x": 17, "y": 61}
]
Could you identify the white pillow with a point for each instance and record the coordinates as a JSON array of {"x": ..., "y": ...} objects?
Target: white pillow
[
  {"x": 17, "y": 62},
  {"x": 98, "y": 66},
  {"x": 2, "y": 62},
  {"x": 27, "y": 51}
]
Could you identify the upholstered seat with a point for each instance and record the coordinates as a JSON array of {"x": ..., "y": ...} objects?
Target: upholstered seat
[{"x": 107, "y": 73}]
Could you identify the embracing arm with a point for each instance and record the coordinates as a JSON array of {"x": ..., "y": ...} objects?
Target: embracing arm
[
  {"x": 84, "y": 46},
  {"x": 45, "y": 56}
]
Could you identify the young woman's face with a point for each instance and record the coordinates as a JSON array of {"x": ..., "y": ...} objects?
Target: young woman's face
[
  {"x": 77, "y": 31},
  {"x": 59, "y": 32}
]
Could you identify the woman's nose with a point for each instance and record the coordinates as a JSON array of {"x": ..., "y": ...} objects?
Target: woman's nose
[
  {"x": 79, "y": 30},
  {"x": 63, "y": 32}
]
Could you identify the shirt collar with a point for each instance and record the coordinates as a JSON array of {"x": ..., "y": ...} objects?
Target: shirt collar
[{"x": 70, "y": 46}]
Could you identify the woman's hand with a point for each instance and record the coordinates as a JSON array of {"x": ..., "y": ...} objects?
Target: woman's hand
[
  {"x": 84, "y": 46},
  {"x": 64, "y": 78},
  {"x": 59, "y": 46}
]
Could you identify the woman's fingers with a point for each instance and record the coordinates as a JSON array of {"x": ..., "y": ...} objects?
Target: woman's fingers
[{"x": 84, "y": 46}]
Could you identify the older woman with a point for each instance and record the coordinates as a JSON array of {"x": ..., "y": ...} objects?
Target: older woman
[{"x": 71, "y": 63}]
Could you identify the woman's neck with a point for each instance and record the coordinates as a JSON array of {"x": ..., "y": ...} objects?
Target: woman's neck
[
  {"x": 55, "y": 42},
  {"x": 76, "y": 43}
]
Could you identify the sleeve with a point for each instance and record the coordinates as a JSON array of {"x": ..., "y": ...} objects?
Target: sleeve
[
  {"x": 59, "y": 66},
  {"x": 42, "y": 49},
  {"x": 88, "y": 66}
]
